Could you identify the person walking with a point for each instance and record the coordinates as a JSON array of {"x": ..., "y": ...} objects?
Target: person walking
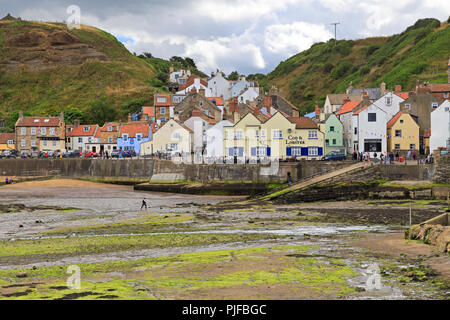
[
  {"x": 289, "y": 179},
  {"x": 144, "y": 204},
  {"x": 409, "y": 155},
  {"x": 414, "y": 154},
  {"x": 355, "y": 156}
]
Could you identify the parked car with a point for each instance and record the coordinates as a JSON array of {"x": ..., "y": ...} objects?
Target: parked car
[
  {"x": 128, "y": 154},
  {"x": 90, "y": 154},
  {"x": 115, "y": 154},
  {"x": 8, "y": 154},
  {"x": 72, "y": 154},
  {"x": 335, "y": 156}
]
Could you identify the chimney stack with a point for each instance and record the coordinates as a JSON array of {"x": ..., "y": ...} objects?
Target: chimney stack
[
  {"x": 20, "y": 115},
  {"x": 398, "y": 88},
  {"x": 202, "y": 92},
  {"x": 129, "y": 117},
  {"x": 383, "y": 88},
  {"x": 76, "y": 123},
  {"x": 346, "y": 100}
]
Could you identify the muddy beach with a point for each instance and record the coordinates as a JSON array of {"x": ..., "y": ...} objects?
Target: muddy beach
[{"x": 201, "y": 247}]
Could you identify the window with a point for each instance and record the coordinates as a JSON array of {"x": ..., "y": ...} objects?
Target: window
[
  {"x": 87, "y": 129},
  {"x": 163, "y": 110},
  {"x": 125, "y": 137},
  {"x": 33, "y": 143},
  {"x": 23, "y": 143},
  {"x": 47, "y": 120},
  {"x": 161, "y": 99},
  {"x": 174, "y": 146},
  {"x": 398, "y": 133},
  {"x": 312, "y": 134},
  {"x": 139, "y": 136},
  {"x": 412, "y": 147},
  {"x": 401, "y": 121},
  {"x": 44, "y": 143},
  {"x": 54, "y": 143},
  {"x": 434, "y": 105},
  {"x": 261, "y": 151},
  {"x": 238, "y": 135},
  {"x": 446, "y": 95},
  {"x": 80, "y": 140},
  {"x": 372, "y": 117},
  {"x": 90, "y": 140},
  {"x": 296, "y": 151},
  {"x": 388, "y": 101},
  {"x": 33, "y": 131},
  {"x": 356, "y": 130},
  {"x": 176, "y": 135},
  {"x": 313, "y": 151},
  {"x": 110, "y": 140},
  {"x": 334, "y": 142},
  {"x": 182, "y": 81},
  {"x": 10, "y": 142},
  {"x": 332, "y": 129},
  {"x": 163, "y": 119},
  {"x": 43, "y": 131},
  {"x": 397, "y": 147},
  {"x": 109, "y": 128},
  {"x": 407, "y": 106},
  {"x": 277, "y": 134},
  {"x": 52, "y": 131},
  {"x": 23, "y": 131}
]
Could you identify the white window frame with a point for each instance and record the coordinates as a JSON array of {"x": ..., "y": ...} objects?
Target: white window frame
[
  {"x": 312, "y": 134},
  {"x": 33, "y": 143},
  {"x": 138, "y": 136},
  {"x": 10, "y": 142},
  {"x": 311, "y": 153},
  {"x": 23, "y": 143},
  {"x": 277, "y": 134},
  {"x": 33, "y": 131},
  {"x": 44, "y": 143},
  {"x": 86, "y": 128},
  {"x": 23, "y": 131},
  {"x": 296, "y": 151},
  {"x": 398, "y": 136},
  {"x": 110, "y": 140},
  {"x": 238, "y": 135},
  {"x": 43, "y": 131},
  {"x": 125, "y": 137},
  {"x": 51, "y": 131},
  {"x": 261, "y": 151}
]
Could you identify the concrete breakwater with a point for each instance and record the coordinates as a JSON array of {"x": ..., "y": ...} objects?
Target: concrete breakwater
[{"x": 140, "y": 170}]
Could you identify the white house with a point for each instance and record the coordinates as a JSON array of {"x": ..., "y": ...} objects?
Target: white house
[
  {"x": 214, "y": 139},
  {"x": 248, "y": 95},
  {"x": 369, "y": 125},
  {"x": 390, "y": 103},
  {"x": 440, "y": 127},
  {"x": 80, "y": 136},
  {"x": 345, "y": 114},
  {"x": 198, "y": 123},
  {"x": 219, "y": 86},
  {"x": 194, "y": 83}
]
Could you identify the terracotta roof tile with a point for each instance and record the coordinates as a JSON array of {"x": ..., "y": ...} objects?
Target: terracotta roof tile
[
  {"x": 348, "y": 107},
  {"x": 219, "y": 101},
  {"x": 81, "y": 131},
  {"x": 394, "y": 120},
  {"x": 133, "y": 128},
  {"x": 4, "y": 137},
  {"x": 403, "y": 95},
  {"x": 303, "y": 123},
  {"x": 360, "y": 110},
  {"x": 150, "y": 111},
  {"x": 38, "y": 122}
]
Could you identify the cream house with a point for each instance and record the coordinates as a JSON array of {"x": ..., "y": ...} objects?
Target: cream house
[{"x": 171, "y": 137}]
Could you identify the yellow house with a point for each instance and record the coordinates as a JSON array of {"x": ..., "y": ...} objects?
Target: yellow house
[
  {"x": 403, "y": 133},
  {"x": 7, "y": 141},
  {"x": 279, "y": 137},
  {"x": 171, "y": 137}
]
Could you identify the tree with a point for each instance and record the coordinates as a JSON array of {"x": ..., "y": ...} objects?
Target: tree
[
  {"x": 190, "y": 62},
  {"x": 10, "y": 122},
  {"x": 101, "y": 111},
  {"x": 233, "y": 76},
  {"x": 177, "y": 59},
  {"x": 73, "y": 113},
  {"x": 164, "y": 77},
  {"x": 132, "y": 106}
]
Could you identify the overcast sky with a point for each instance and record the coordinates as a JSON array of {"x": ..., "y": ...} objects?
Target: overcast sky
[{"x": 249, "y": 36}]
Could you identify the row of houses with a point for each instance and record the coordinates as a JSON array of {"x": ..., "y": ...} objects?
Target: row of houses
[{"x": 373, "y": 120}]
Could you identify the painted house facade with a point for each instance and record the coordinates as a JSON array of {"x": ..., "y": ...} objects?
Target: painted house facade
[
  {"x": 370, "y": 130},
  {"x": 440, "y": 127},
  {"x": 218, "y": 86},
  {"x": 198, "y": 123},
  {"x": 403, "y": 133},
  {"x": 215, "y": 140},
  {"x": 390, "y": 103},
  {"x": 7, "y": 141},
  {"x": 105, "y": 139},
  {"x": 80, "y": 135},
  {"x": 132, "y": 135},
  {"x": 333, "y": 129},
  {"x": 173, "y": 136}
]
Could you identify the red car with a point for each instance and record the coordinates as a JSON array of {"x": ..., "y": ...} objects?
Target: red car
[{"x": 90, "y": 154}]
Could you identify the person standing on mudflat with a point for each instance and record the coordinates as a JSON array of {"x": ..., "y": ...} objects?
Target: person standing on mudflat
[{"x": 144, "y": 204}]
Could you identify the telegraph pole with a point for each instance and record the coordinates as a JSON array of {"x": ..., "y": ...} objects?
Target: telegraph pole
[{"x": 335, "y": 31}]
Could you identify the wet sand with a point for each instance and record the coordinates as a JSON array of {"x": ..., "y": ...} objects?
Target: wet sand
[{"x": 338, "y": 231}]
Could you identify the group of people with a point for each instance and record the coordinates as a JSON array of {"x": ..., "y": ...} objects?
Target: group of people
[{"x": 384, "y": 157}]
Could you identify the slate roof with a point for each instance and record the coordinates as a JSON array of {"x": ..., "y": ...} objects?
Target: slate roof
[{"x": 303, "y": 123}]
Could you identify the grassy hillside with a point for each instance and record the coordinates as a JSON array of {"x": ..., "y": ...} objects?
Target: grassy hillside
[
  {"x": 419, "y": 53},
  {"x": 46, "y": 68}
]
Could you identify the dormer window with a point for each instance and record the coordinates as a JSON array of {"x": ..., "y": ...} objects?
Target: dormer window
[
  {"x": 36, "y": 120},
  {"x": 388, "y": 101},
  {"x": 87, "y": 129},
  {"x": 47, "y": 120},
  {"x": 109, "y": 128},
  {"x": 434, "y": 105}
]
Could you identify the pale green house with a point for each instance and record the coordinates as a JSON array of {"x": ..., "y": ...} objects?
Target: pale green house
[{"x": 333, "y": 129}]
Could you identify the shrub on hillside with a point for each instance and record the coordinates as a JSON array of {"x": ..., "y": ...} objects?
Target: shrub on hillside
[
  {"x": 371, "y": 50},
  {"x": 364, "y": 70},
  {"x": 341, "y": 70},
  {"x": 344, "y": 48},
  {"x": 328, "y": 67}
]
